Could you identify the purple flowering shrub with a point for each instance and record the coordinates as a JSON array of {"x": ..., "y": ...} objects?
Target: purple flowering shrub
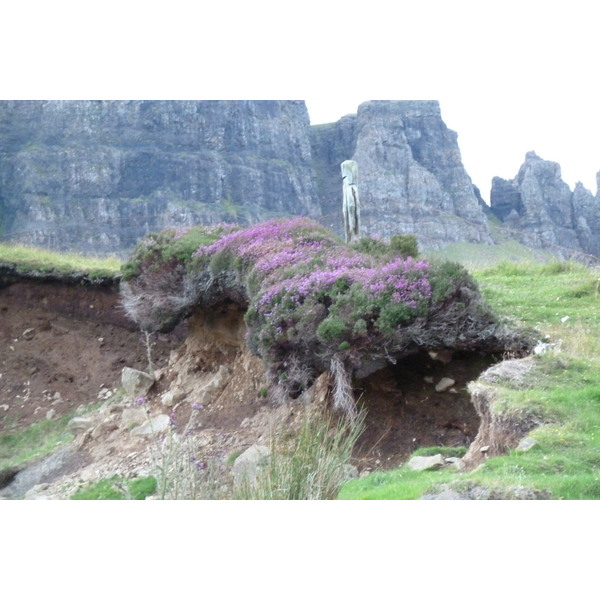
[{"x": 309, "y": 296}]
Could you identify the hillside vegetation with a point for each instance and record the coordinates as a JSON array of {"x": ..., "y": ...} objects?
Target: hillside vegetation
[
  {"x": 28, "y": 260},
  {"x": 559, "y": 396},
  {"x": 313, "y": 303}
]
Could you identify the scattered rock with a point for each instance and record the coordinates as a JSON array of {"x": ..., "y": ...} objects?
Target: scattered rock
[
  {"x": 29, "y": 334},
  {"x": 131, "y": 416},
  {"x": 444, "y": 356},
  {"x": 155, "y": 425},
  {"x": 444, "y": 384},
  {"x": 248, "y": 464},
  {"x": 448, "y": 494},
  {"x": 526, "y": 444},
  {"x": 457, "y": 462},
  {"x": 212, "y": 385},
  {"x": 136, "y": 383},
  {"x": 104, "y": 394},
  {"x": 484, "y": 449},
  {"x": 80, "y": 424},
  {"x": 103, "y": 429},
  {"x": 50, "y": 414},
  {"x": 4, "y": 407},
  {"x": 34, "y": 492},
  {"x": 424, "y": 463},
  {"x": 428, "y": 379},
  {"x": 167, "y": 399}
]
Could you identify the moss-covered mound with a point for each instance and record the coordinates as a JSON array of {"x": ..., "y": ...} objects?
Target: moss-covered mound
[{"x": 310, "y": 299}]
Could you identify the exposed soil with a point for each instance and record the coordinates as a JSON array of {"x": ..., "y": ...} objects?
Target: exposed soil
[
  {"x": 60, "y": 345},
  {"x": 63, "y": 346},
  {"x": 405, "y": 412}
]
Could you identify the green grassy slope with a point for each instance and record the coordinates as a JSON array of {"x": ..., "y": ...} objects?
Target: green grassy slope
[{"x": 29, "y": 259}]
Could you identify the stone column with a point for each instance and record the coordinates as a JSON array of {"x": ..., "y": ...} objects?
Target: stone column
[{"x": 351, "y": 202}]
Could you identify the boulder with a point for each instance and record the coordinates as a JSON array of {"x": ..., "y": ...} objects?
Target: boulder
[
  {"x": 526, "y": 444},
  {"x": 444, "y": 384},
  {"x": 136, "y": 383},
  {"x": 153, "y": 426},
  {"x": 426, "y": 463},
  {"x": 248, "y": 464}
]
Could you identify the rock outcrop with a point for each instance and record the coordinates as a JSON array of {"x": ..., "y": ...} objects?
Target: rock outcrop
[
  {"x": 98, "y": 175},
  {"x": 540, "y": 210},
  {"x": 411, "y": 177}
]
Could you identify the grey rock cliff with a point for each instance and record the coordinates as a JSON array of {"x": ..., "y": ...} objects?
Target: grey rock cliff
[
  {"x": 97, "y": 175},
  {"x": 411, "y": 176},
  {"x": 539, "y": 209}
]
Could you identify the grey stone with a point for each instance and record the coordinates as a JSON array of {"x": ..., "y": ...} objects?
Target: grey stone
[
  {"x": 78, "y": 425},
  {"x": 155, "y": 425},
  {"x": 66, "y": 460},
  {"x": 50, "y": 414},
  {"x": 448, "y": 494},
  {"x": 131, "y": 416},
  {"x": 248, "y": 464},
  {"x": 167, "y": 399},
  {"x": 444, "y": 384},
  {"x": 458, "y": 463},
  {"x": 425, "y": 463},
  {"x": 29, "y": 334},
  {"x": 136, "y": 383},
  {"x": 104, "y": 428},
  {"x": 526, "y": 444}
]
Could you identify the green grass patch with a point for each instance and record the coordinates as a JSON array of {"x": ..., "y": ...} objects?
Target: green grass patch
[
  {"x": 34, "y": 442},
  {"x": 28, "y": 258},
  {"x": 116, "y": 488}
]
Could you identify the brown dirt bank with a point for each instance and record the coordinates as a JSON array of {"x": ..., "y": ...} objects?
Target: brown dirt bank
[{"x": 61, "y": 343}]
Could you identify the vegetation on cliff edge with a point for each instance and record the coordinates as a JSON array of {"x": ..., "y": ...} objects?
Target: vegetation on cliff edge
[
  {"x": 31, "y": 261},
  {"x": 313, "y": 303}
]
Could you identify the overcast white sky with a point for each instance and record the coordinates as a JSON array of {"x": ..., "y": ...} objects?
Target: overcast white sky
[{"x": 511, "y": 76}]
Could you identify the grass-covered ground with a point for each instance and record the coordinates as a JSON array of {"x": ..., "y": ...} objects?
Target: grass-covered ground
[
  {"x": 28, "y": 258},
  {"x": 34, "y": 442},
  {"x": 562, "y": 392}
]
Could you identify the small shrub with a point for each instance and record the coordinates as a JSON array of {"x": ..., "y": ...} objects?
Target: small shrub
[
  {"x": 405, "y": 245},
  {"x": 331, "y": 328}
]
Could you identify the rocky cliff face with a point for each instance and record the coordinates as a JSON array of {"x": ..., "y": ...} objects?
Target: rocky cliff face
[
  {"x": 540, "y": 209},
  {"x": 411, "y": 177},
  {"x": 97, "y": 175}
]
